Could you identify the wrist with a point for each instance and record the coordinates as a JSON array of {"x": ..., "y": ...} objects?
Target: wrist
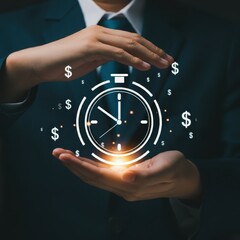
[
  {"x": 193, "y": 186},
  {"x": 17, "y": 78}
]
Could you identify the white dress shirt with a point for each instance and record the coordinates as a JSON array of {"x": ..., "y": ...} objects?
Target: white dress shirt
[{"x": 133, "y": 12}]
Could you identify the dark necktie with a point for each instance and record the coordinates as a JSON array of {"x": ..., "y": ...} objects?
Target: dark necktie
[{"x": 119, "y": 23}]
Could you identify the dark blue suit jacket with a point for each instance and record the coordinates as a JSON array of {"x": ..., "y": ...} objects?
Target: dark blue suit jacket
[{"x": 43, "y": 200}]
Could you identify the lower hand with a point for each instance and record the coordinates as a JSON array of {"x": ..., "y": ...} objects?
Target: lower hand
[{"x": 167, "y": 175}]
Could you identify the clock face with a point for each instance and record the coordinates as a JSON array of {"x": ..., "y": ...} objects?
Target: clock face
[
  {"x": 118, "y": 122},
  {"x": 110, "y": 127}
]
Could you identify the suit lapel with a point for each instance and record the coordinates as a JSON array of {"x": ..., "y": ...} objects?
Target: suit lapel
[{"x": 159, "y": 28}]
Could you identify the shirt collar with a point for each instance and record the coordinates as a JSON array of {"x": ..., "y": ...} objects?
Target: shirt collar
[{"x": 133, "y": 12}]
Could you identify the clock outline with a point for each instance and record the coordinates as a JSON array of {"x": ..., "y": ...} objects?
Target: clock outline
[
  {"x": 82, "y": 120},
  {"x": 143, "y": 102}
]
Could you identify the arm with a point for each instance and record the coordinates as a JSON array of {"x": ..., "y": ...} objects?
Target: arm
[{"x": 84, "y": 51}]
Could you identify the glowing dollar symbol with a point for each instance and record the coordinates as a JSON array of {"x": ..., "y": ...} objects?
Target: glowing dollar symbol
[
  {"x": 55, "y": 135},
  {"x": 68, "y": 104},
  {"x": 68, "y": 73},
  {"x": 59, "y": 106},
  {"x": 77, "y": 153},
  {"x": 191, "y": 135},
  {"x": 187, "y": 122},
  {"x": 175, "y": 70}
]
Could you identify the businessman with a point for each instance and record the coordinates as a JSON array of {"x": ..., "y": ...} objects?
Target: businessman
[{"x": 45, "y": 201}]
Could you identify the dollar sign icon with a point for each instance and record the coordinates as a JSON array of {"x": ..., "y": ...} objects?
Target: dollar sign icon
[
  {"x": 185, "y": 116},
  {"x": 55, "y": 135},
  {"x": 77, "y": 153},
  {"x": 191, "y": 135},
  {"x": 68, "y": 73},
  {"x": 68, "y": 104},
  {"x": 59, "y": 106},
  {"x": 175, "y": 70}
]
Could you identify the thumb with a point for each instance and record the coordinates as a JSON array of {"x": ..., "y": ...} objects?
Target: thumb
[{"x": 129, "y": 176}]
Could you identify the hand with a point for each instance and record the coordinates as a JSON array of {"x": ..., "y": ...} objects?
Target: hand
[
  {"x": 84, "y": 51},
  {"x": 167, "y": 175}
]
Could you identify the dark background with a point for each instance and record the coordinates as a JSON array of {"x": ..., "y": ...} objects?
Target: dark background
[{"x": 229, "y": 9}]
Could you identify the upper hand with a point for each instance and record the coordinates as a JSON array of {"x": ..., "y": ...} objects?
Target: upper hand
[
  {"x": 84, "y": 51},
  {"x": 167, "y": 175}
]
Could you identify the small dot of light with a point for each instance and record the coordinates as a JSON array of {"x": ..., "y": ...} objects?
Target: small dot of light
[
  {"x": 88, "y": 124},
  {"x": 41, "y": 129},
  {"x": 113, "y": 143},
  {"x": 125, "y": 121},
  {"x": 170, "y": 131},
  {"x": 61, "y": 126},
  {"x": 52, "y": 108},
  {"x": 74, "y": 125},
  {"x": 118, "y": 135},
  {"x": 131, "y": 112},
  {"x": 167, "y": 120},
  {"x": 165, "y": 110}
]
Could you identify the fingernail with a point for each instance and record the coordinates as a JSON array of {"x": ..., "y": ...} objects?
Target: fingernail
[
  {"x": 129, "y": 177},
  {"x": 146, "y": 65},
  {"x": 163, "y": 61},
  {"x": 169, "y": 58}
]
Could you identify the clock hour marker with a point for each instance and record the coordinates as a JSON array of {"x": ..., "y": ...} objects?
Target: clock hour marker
[
  {"x": 94, "y": 122},
  {"x": 144, "y": 122},
  {"x": 119, "y": 147},
  {"x": 119, "y": 78},
  {"x": 119, "y": 96}
]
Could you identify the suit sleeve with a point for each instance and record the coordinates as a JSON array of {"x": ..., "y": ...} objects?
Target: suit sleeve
[
  {"x": 221, "y": 177},
  {"x": 10, "y": 112}
]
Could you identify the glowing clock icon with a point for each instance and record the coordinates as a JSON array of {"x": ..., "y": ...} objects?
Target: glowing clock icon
[{"x": 109, "y": 127}]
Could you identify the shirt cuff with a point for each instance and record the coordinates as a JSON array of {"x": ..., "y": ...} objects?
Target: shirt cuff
[{"x": 14, "y": 109}]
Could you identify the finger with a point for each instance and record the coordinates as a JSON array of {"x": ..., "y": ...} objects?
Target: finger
[
  {"x": 134, "y": 37},
  {"x": 141, "y": 48},
  {"x": 87, "y": 167},
  {"x": 156, "y": 57},
  {"x": 149, "y": 172},
  {"x": 97, "y": 184},
  {"x": 58, "y": 151},
  {"x": 102, "y": 178},
  {"x": 120, "y": 55}
]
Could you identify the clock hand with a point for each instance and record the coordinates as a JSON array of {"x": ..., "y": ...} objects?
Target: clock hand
[
  {"x": 108, "y": 114},
  {"x": 119, "y": 106},
  {"x": 108, "y": 130}
]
